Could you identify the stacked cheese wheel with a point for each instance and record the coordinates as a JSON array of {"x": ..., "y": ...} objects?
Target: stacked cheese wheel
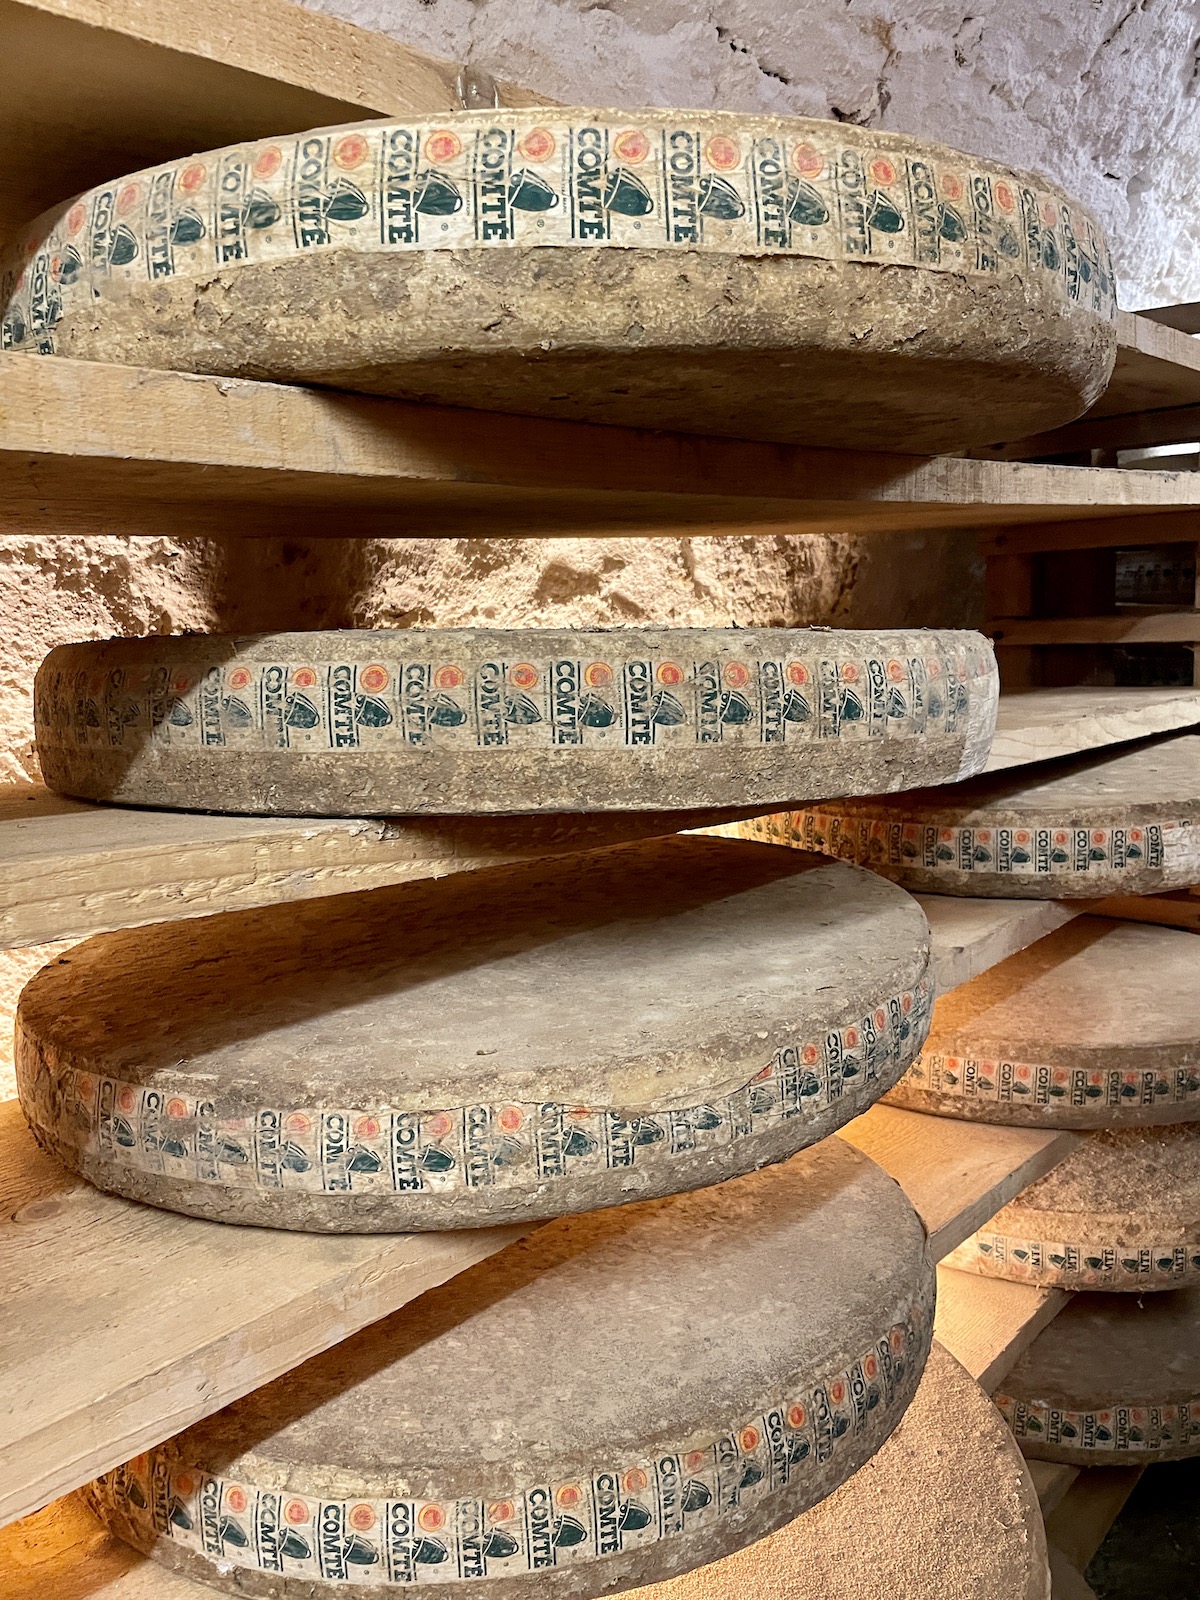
[{"x": 754, "y": 276}]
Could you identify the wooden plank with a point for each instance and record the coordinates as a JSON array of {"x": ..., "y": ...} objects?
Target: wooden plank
[
  {"x": 987, "y": 1323},
  {"x": 1038, "y": 724},
  {"x": 121, "y": 1324},
  {"x": 65, "y": 1553},
  {"x": 1051, "y": 1479},
  {"x": 1185, "y": 317},
  {"x": 1080, "y": 1523},
  {"x": 1129, "y": 431},
  {"x": 86, "y": 446},
  {"x": 1161, "y": 627},
  {"x": 1156, "y": 367},
  {"x": 970, "y": 935},
  {"x": 1066, "y": 1582},
  {"x": 957, "y": 1174},
  {"x": 68, "y": 869},
  {"x": 186, "y": 78},
  {"x": 1175, "y": 909},
  {"x": 1091, "y": 533}
]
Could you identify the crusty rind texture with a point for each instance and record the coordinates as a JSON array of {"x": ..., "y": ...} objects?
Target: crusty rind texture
[
  {"x": 1120, "y": 1214},
  {"x": 661, "y": 269},
  {"x": 1096, "y": 1026},
  {"x": 950, "y": 1480},
  {"x": 428, "y": 721},
  {"x": 648, "y": 1476},
  {"x": 437, "y": 1072},
  {"x": 1114, "y": 1379},
  {"x": 1127, "y": 823}
]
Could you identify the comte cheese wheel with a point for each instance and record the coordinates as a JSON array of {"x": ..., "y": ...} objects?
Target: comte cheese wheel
[
  {"x": 1124, "y": 823},
  {"x": 950, "y": 1479},
  {"x": 619, "y": 1398},
  {"x": 1114, "y": 1380},
  {"x": 493, "y": 720},
  {"x": 1095, "y": 1026},
  {"x": 489, "y": 1047},
  {"x": 1122, "y": 1212},
  {"x": 722, "y": 273},
  {"x": 945, "y": 1511}
]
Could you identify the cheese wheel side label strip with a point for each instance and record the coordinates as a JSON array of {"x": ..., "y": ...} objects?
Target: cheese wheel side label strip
[
  {"x": 343, "y": 1150},
  {"x": 1053, "y": 849},
  {"x": 397, "y": 703},
  {"x": 1024, "y": 1083},
  {"x": 735, "y": 185},
  {"x": 627, "y": 1505},
  {"x": 1120, "y": 1430},
  {"x": 1088, "y": 1263}
]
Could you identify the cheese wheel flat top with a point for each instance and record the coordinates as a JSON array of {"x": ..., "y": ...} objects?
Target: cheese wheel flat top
[
  {"x": 494, "y": 720},
  {"x": 619, "y": 1397},
  {"x": 949, "y": 1481},
  {"x": 671, "y": 269},
  {"x": 1096, "y": 825},
  {"x": 1113, "y": 1377},
  {"x": 1097, "y": 1025},
  {"x": 1121, "y": 1212},
  {"x": 519, "y": 1041}
]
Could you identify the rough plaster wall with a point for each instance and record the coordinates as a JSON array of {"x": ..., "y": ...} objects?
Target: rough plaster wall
[{"x": 1099, "y": 94}]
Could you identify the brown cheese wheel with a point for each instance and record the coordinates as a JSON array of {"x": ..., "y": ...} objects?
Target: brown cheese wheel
[
  {"x": 1124, "y": 823},
  {"x": 491, "y": 720},
  {"x": 1095, "y": 1026},
  {"x": 1122, "y": 1212},
  {"x": 619, "y": 1398},
  {"x": 945, "y": 1511},
  {"x": 488, "y": 1048},
  {"x": 1113, "y": 1381},
  {"x": 725, "y": 273}
]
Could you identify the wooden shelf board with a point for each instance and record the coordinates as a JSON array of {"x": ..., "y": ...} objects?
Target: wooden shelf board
[
  {"x": 1079, "y": 1524},
  {"x": 988, "y": 1323},
  {"x": 972, "y": 934},
  {"x": 1179, "y": 908},
  {"x": 186, "y": 78},
  {"x": 1051, "y": 1479},
  {"x": 1162, "y": 627},
  {"x": 87, "y": 445},
  {"x": 1039, "y": 724},
  {"x": 122, "y": 1324},
  {"x": 957, "y": 1174},
  {"x": 68, "y": 869},
  {"x": 1093, "y": 533}
]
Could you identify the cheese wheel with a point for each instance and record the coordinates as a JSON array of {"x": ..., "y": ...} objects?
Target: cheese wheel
[
  {"x": 1095, "y": 1026},
  {"x": 500, "y": 721},
  {"x": 945, "y": 1511},
  {"x": 1114, "y": 1380},
  {"x": 491, "y": 1047},
  {"x": 1122, "y": 1212},
  {"x": 1124, "y": 823},
  {"x": 619, "y": 1398},
  {"x": 723, "y": 273}
]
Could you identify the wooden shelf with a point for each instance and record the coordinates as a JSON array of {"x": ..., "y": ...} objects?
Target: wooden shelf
[
  {"x": 988, "y": 1323},
  {"x": 86, "y": 446},
  {"x": 185, "y": 78},
  {"x": 1159, "y": 627},
  {"x": 1039, "y": 724},
  {"x": 123, "y": 1324},
  {"x": 1092, "y": 533}
]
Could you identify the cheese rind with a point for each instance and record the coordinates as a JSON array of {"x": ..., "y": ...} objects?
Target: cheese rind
[
  {"x": 659, "y": 268},
  {"x": 441, "y": 721},
  {"x": 492, "y": 1047},
  {"x": 634, "y": 1393}
]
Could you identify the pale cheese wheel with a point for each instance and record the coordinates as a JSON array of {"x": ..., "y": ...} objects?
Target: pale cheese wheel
[
  {"x": 718, "y": 272},
  {"x": 1095, "y": 1026},
  {"x": 1114, "y": 1380},
  {"x": 1123, "y": 823},
  {"x": 491, "y": 1047},
  {"x": 1122, "y": 1212},
  {"x": 617, "y": 1399},
  {"x": 945, "y": 1511},
  {"x": 492, "y": 720}
]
